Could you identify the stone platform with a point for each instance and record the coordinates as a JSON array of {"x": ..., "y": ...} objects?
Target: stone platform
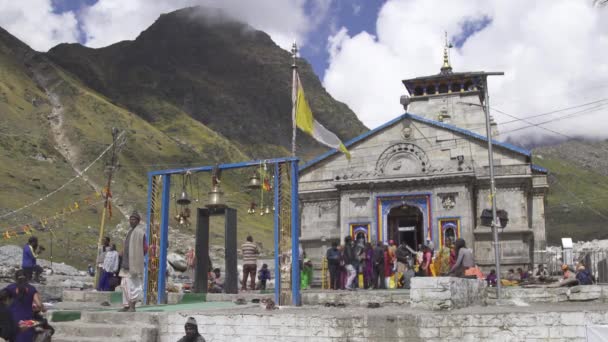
[
  {"x": 239, "y": 323},
  {"x": 309, "y": 297}
]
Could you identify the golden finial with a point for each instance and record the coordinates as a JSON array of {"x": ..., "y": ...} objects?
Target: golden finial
[{"x": 446, "y": 68}]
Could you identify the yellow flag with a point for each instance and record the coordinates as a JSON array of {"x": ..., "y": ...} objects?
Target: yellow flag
[{"x": 307, "y": 123}]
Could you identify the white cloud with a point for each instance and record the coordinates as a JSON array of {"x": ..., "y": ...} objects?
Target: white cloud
[
  {"x": 553, "y": 53},
  {"x": 110, "y": 21},
  {"x": 34, "y": 23}
]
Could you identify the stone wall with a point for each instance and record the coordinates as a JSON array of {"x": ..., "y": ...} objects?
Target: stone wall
[
  {"x": 583, "y": 293},
  {"x": 384, "y": 325},
  {"x": 446, "y": 293}
]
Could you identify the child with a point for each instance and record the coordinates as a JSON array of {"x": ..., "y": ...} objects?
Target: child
[
  {"x": 263, "y": 276},
  {"x": 110, "y": 267}
]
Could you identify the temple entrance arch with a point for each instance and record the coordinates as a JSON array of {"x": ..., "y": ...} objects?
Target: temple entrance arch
[{"x": 406, "y": 224}]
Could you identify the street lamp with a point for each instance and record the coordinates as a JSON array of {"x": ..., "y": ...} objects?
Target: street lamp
[{"x": 495, "y": 223}]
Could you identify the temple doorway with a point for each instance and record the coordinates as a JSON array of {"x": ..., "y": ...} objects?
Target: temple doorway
[{"x": 405, "y": 223}]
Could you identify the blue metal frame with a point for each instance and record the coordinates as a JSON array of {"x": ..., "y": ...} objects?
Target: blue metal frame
[
  {"x": 295, "y": 237},
  {"x": 164, "y": 236},
  {"x": 148, "y": 230},
  {"x": 223, "y": 166},
  {"x": 295, "y": 228},
  {"x": 277, "y": 262}
]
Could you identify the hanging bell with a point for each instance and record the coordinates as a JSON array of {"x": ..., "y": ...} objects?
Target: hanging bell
[
  {"x": 182, "y": 220},
  {"x": 183, "y": 198},
  {"x": 251, "y": 209},
  {"x": 254, "y": 181},
  {"x": 216, "y": 198},
  {"x": 267, "y": 211}
]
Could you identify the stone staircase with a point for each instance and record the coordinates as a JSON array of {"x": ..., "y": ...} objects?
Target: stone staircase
[{"x": 109, "y": 326}]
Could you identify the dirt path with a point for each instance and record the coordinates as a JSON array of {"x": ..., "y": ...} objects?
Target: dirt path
[{"x": 47, "y": 78}]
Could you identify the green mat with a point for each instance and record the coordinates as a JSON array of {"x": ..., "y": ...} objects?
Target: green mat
[
  {"x": 116, "y": 297},
  {"x": 65, "y": 316},
  {"x": 193, "y": 298}
]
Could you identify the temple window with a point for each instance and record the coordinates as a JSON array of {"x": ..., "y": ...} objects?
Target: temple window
[
  {"x": 430, "y": 89},
  {"x": 443, "y": 88},
  {"x": 456, "y": 87},
  {"x": 418, "y": 91}
]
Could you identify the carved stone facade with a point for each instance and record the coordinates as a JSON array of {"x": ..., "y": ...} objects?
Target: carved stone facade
[{"x": 417, "y": 179}]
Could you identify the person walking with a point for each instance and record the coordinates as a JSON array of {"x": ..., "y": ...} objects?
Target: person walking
[
  {"x": 132, "y": 268},
  {"x": 368, "y": 265},
  {"x": 378, "y": 260},
  {"x": 28, "y": 262},
  {"x": 349, "y": 262},
  {"x": 109, "y": 268},
  {"x": 192, "y": 334},
  {"x": 250, "y": 252},
  {"x": 101, "y": 258},
  {"x": 264, "y": 276},
  {"x": 333, "y": 264}
]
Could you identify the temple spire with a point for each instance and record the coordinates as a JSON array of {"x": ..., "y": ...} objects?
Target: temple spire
[{"x": 446, "y": 68}]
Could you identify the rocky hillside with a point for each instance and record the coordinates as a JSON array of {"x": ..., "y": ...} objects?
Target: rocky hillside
[
  {"x": 577, "y": 205},
  {"x": 221, "y": 73},
  {"x": 187, "y": 91}
]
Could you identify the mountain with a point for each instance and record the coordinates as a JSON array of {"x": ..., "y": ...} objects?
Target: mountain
[
  {"x": 196, "y": 88},
  {"x": 578, "y": 189},
  {"x": 221, "y": 73}
]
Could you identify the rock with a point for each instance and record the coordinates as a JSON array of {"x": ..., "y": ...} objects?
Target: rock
[
  {"x": 11, "y": 255},
  {"x": 69, "y": 283},
  {"x": 177, "y": 261},
  {"x": 584, "y": 293}
]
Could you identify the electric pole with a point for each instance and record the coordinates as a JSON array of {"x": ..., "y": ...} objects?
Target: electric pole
[{"x": 117, "y": 144}]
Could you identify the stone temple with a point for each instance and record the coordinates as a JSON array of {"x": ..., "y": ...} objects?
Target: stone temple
[{"x": 425, "y": 176}]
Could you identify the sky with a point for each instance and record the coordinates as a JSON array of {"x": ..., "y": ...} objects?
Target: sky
[{"x": 554, "y": 52}]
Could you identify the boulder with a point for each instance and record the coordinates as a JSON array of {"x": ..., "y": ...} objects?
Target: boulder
[
  {"x": 178, "y": 262},
  {"x": 582, "y": 293},
  {"x": 11, "y": 255}
]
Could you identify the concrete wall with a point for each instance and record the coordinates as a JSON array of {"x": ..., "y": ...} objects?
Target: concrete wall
[
  {"x": 382, "y": 325},
  {"x": 446, "y": 293}
]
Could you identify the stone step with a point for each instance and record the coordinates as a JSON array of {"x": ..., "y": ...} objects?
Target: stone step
[
  {"x": 133, "y": 331},
  {"x": 114, "y": 317},
  {"x": 87, "y": 296},
  {"x": 58, "y": 338}
]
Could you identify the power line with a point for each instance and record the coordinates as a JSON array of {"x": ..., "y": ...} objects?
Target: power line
[{"x": 80, "y": 174}]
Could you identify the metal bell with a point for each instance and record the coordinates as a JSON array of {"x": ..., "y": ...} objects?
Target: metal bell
[
  {"x": 216, "y": 198},
  {"x": 183, "y": 198},
  {"x": 267, "y": 211},
  {"x": 254, "y": 181}
]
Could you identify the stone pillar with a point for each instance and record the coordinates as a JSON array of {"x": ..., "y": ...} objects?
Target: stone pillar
[{"x": 539, "y": 191}]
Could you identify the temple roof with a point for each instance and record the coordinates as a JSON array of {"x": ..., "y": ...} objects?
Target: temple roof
[{"x": 414, "y": 117}]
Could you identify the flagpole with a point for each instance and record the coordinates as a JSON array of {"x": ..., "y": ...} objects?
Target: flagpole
[{"x": 294, "y": 95}]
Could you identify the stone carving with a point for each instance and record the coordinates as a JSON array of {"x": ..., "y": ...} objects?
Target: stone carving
[
  {"x": 448, "y": 202},
  {"x": 402, "y": 159},
  {"x": 325, "y": 206},
  {"x": 406, "y": 131},
  {"x": 359, "y": 202}
]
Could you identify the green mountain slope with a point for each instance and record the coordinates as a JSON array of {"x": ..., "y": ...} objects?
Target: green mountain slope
[
  {"x": 577, "y": 203},
  {"x": 222, "y": 73},
  {"x": 58, "y": 110}
]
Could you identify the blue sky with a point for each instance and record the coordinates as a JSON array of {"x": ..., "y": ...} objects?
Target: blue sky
[
  {"x": 370, "y": 55},
  {"x": 356, "y": 16}
]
